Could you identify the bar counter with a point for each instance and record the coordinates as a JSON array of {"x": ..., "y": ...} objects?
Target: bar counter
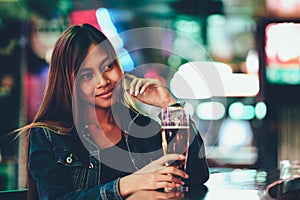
[{"x": 223, "y": 184}]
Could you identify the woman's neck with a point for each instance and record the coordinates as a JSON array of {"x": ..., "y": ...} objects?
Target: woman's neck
[
  {"x": 105, "y": 132},
  {"x": 105, "y": 116}
]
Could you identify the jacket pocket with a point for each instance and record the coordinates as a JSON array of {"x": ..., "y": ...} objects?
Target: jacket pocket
[{"x": 72, "y": 163}]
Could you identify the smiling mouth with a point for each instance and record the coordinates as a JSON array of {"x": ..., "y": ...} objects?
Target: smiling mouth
[{"x": 105, "y": 94}]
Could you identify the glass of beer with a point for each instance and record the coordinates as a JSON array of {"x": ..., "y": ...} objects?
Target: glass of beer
[{"x": 175, "y": 137}]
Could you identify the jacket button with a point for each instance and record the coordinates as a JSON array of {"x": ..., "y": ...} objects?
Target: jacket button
[
  {"x": 91, "y": 166},
  {"x": 69, "y": 159}
]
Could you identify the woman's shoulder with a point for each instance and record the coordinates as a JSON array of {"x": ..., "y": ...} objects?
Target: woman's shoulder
[
  {"x": 47, "y": 135},
  {"x": 49, "y": 132}
]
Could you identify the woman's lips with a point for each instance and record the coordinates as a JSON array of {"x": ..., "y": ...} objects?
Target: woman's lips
[{"x": 105, "y": 95}]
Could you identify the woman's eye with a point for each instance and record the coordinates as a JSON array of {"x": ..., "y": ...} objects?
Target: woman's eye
[
  {"x": 86, "y": 76},
  {"x": 108, "y": 67}
]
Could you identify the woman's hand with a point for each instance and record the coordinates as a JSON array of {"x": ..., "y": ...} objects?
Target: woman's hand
[
  {"x": 154, "y": 176},
  {"x": 150, "y": 91},
  {"x": 155, "y": 195}
]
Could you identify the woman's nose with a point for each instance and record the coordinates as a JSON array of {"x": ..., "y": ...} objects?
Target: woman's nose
[{"x": 102, "y": 80}]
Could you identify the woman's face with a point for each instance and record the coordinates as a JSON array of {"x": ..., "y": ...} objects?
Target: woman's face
[{"x": 98, "y": 77}]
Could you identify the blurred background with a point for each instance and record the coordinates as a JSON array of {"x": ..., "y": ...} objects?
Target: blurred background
[{"x": 257, "y": 38}]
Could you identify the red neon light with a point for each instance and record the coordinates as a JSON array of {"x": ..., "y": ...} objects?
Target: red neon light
[{"x": 84, "y": 16}]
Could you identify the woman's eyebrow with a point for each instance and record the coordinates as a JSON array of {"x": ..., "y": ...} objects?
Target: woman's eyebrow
[
  {"x": 86, "y": 65},
  {"x": 85, "y": 70},
  {"x": 105, "y": 61}
]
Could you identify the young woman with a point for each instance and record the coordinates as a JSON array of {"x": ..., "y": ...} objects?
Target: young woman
[{"x": 88, "y": 140}]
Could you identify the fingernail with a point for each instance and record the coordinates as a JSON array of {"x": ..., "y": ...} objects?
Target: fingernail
[
  {"x": 186, "y": 175},
  {"x": 181, "y": 157},
  {"x": 130, "y": 91},
  {"x": 136, "y": 93}
]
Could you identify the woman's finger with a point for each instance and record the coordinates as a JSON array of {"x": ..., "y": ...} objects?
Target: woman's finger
[
  {"x": 169, "y": 157},
  {"x": 148, "y": 84},
  {"x": 174, "y": 171},
  {"x": 168, "y": 178},
  {"x": 137, "y": 86},
  {"x": 164, "y": 184},
  {"x": 132, "y": 86}
]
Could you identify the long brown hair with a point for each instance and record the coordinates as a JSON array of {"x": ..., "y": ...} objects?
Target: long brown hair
[{"x": 56, "y": 110}]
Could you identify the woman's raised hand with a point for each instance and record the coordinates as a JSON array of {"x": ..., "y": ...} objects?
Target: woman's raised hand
[
  {"x": 150, "y": 91},
  {"x": 154, "y": 176}
]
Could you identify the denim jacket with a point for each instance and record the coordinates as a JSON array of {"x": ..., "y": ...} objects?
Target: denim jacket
[{"x": 63, "y": 167}]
